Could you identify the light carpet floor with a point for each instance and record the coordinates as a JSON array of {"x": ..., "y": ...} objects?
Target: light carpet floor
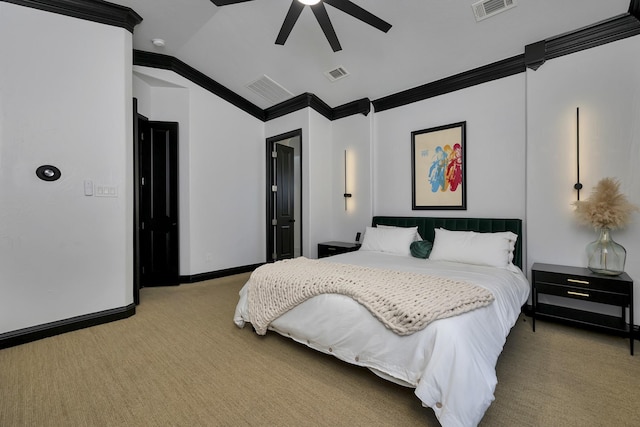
[{"x": 180, "y": 361}]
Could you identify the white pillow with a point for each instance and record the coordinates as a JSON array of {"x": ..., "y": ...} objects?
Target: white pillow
[
  {"x": 416, "y": 237},
  {"x": 491, "y": 249},
  {"x": 390, "y": 240}
]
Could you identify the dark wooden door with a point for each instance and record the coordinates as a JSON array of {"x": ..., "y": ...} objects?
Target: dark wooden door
[
  {"x": 284, "y": 202},
  {"x": 158, "y": 205}
]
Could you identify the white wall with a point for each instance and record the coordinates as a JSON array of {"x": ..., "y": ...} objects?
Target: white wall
[
  {"x": 63, "y": 254},
  {"x": 320, "y": 203},
  {"x": 354, "y": 134},
  {"x": 222, "y": 172},
  {"x": 495, "y": 154},
  {"x": 604, "y": 82}
]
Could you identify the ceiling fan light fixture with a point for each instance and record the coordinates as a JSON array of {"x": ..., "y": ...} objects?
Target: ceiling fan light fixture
[{"x": 320, "y": 13}]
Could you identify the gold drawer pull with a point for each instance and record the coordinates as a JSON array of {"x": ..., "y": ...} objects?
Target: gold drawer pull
[
  {"x": 580, "y": 294},
  {"x": 584, "y": 282}
]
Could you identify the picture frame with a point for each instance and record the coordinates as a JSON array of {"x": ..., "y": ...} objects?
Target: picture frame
[{"x": 438, "y": 168}]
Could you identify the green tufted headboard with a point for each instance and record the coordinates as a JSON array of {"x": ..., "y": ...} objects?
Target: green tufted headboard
[{"x": 427, "y": 225}]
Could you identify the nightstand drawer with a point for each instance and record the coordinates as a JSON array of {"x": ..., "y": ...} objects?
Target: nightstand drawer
[
  {"x": 584, "y": 282},
  {"x": 581, "y": 293}
]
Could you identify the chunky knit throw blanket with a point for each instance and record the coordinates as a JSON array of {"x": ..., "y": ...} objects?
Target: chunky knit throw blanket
[{"x": 404, "y": 302}]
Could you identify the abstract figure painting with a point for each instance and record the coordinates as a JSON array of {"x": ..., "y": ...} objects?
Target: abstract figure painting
[{"x": 438, "y": 167}]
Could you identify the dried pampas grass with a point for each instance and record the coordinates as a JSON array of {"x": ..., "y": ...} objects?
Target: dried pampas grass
[{"x": 606, "y": 208}]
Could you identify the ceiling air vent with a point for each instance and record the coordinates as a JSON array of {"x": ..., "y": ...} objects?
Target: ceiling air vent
[
  {"x": 336, "y": 74},
  {"x": 269, "y": 90},
  {"x": 486, "y": 8}
]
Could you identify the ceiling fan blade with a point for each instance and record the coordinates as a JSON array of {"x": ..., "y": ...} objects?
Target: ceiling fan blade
[
  {"x": 289, "y": 21},
  {"x": 323, "y": 19},
  {"x": 226, "y": 2},
  {"x": 359, "y": 13}
]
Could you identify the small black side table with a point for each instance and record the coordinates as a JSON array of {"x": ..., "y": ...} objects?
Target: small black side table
[
  {"x": 582, "y": 284},
  {"x": 326, "y": 249}
]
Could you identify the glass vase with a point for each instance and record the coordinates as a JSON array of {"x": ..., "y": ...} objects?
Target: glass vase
[{"x": 605, "y": 255}]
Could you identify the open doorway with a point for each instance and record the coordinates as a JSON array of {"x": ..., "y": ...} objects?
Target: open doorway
[{"x": 284, "y": 196}]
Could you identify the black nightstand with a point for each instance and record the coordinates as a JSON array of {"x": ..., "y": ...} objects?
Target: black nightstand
[
  {"x": 582, "y": 284},
  {"x": 334, "y": 248}
]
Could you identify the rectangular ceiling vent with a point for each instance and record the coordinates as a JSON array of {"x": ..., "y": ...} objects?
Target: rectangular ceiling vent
[
  {"x": 486, "y": 8},
  {"x": 336, "y": 74},
  {"x": 269, "y": 90}
]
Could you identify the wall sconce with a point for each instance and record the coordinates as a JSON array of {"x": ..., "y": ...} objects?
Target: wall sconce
[
  {"x": 578, "y": 186},
  {"x": 347, "y": 195}
]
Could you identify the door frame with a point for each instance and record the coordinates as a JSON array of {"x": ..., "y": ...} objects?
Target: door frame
[
  {"x": 137, "y": 269},
  {"x": 137, "y": 117},
  {"x": 271, "y": 142}
]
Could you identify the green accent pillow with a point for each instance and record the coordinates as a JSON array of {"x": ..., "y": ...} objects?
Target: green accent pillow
[{"x": 421, "y": 248}]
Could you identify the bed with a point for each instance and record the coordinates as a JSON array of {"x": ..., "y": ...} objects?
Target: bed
[{"x": 451, "y": 361}]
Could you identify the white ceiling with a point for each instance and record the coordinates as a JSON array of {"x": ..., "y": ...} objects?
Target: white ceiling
[{"x": 430, "y": 39}]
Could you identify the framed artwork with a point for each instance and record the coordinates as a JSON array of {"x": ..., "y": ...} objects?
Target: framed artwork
[{"x": 438, "y": 168}]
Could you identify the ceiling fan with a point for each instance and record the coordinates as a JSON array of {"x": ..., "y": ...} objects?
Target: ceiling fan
[{"x": 317, "y": 6}]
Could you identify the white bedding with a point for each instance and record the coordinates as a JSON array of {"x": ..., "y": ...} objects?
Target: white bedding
[{"x": 451, "y": 363}]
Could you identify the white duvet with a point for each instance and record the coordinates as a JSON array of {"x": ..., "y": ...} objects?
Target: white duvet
[{"x": 451, "y": 363}]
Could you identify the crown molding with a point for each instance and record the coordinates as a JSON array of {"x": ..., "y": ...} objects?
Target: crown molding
[
  {"x": 361, "y": 106},
  {"x": 298, "y": 103},
  {"x": 166, "y": 62},
  {"x": 607, "y": 31},
  {"x": 497, "y": 70},
  {"x": 320, "y": 106},
  {"x": 89, "y": 10},
  {"x": 535, "y": 54},
  {"x": 610, "y": 30}
]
